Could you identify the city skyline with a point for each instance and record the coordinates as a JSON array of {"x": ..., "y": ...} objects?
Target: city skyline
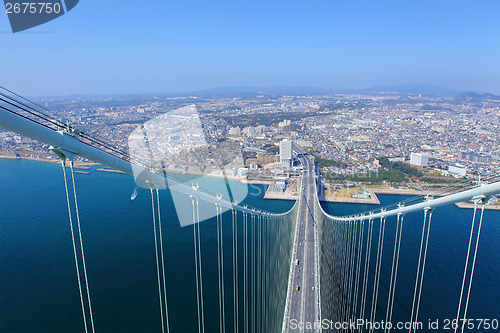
[{"x": 107, "y": 49}]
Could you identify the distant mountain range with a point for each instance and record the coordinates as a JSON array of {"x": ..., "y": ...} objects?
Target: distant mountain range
[
  {"x": 416, "y": 88},
  {"x": 254, "y": 92},
  {"x": 411, "y": 88},
  {"x": 477, "y": 97}
]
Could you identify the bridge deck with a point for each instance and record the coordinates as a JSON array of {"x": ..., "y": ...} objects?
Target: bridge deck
[{"x": 303, "y": 306}]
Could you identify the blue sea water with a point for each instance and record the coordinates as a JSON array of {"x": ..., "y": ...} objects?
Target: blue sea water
[{"x": 38, "y": 287}]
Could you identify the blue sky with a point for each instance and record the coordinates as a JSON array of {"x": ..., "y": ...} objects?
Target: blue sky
[{"x": 113, "y": 47}]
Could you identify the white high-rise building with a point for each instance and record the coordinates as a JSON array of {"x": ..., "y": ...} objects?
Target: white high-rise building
[
  {"x": 286, "y": 153},
  {"x": 457, "y": 170},
  {"x": 234, "y": 131},
  {"x": 419, "y": 159}
]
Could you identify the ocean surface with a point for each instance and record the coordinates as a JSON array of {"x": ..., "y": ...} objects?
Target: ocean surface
[{"x": 38, "y": 286}]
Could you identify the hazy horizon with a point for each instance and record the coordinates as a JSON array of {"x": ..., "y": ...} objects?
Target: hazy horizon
[{"x": 292, "y": 90}]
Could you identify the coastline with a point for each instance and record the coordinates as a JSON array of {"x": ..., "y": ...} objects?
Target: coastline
[
  {"x": 401, "y": 191},
  {"x": 77, "y": 165},
  {"x": 84, "y": 168},
  {"x": 470, "y": 205}
]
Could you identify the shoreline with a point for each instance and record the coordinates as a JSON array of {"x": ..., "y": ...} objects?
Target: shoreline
[
  {"x": 77, "y": 164},
  {"x": 84, "y": 168},
  {"x": 470, "y": 205},
  {"x": 401, "y": 191}
]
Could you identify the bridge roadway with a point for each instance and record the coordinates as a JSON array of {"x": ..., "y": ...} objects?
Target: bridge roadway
[{"x": 303, "y": 308}]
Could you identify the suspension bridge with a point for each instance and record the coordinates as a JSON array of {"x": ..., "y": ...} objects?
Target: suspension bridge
[{"x": 299, "y": 271}]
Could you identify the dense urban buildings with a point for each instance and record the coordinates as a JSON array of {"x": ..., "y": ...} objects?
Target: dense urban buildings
[{"x": 349, "y": 132}]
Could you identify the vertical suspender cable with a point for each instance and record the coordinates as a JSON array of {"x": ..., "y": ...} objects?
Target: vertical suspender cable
[
  {"x": 196, "y": 264},
  {"x": 389, "y": 319},
  {"x": 222, "y": 270},
  {"x": 343, "y": 299},
  {"x": 372, "y": 315},
  {"x": 466, "y": 262},
  {"x": 379, "y": 264},
  {"x": 157, "y": 261},
  {"x": 254, "y": 316},
  {"x": 347, "y": 268},
  {"x": 271, "y": 288},
  {"x": 337, "y": 262},
  {"x": 74, "y": 245},
  {"x": 200, "y": 269},
  {"x": 245, "y": 272},
  {"x": 351, "y": 271},
  {"x": 81, "y": 246},
  {"x": 473, "y": 267},
  {"x": 423, "y": 266},
  {"x": 162, "y": 261},
  {"x": 235, "y": 270},
  {"x": 259, "y": 271},
  {"x": 218, "y": 267},
  {"x": 266, "y": 272},
  {"x": 358, "y": 268},
  {"x": 263, "y": 275},
  {"x": 418, "y": 270},
  {"x": 366, "y": 270},
  {"x": 396, "y": 235}
]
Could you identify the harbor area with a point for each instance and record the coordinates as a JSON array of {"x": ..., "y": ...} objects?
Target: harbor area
[{"x": 283, "y": 189}]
